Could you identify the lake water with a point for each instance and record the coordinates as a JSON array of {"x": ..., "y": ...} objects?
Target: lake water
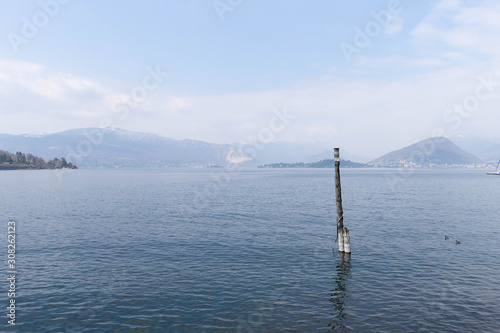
[{"x": 251, "y": 251}]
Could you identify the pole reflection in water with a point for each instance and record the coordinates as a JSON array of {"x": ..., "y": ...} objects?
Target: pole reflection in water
[{"x": 339, "y": 294}]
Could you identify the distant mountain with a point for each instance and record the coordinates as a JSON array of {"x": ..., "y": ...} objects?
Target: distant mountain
[
  {"x": 97, "y": 147},
  {"x": 434, "y": 151},
  {"x": 487, "y": 149},
  {"x": 330, "y": 163},
  {"x": 491, "y": 154}
]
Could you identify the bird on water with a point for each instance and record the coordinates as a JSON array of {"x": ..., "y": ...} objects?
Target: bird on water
[
  {"x": 446, "y": 237},
  {"x": 458, "y": 242}
]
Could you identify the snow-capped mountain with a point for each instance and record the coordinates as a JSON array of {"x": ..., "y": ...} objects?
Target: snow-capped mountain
[{"x": 98, "y": 147}]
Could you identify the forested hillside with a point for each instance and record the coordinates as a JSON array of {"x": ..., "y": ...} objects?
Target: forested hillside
[{"x": 19, "y": 160}]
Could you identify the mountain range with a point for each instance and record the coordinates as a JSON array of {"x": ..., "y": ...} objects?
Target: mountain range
[
  {"x": 98, "y": 147},
  {"x": 487, "y": 149}
]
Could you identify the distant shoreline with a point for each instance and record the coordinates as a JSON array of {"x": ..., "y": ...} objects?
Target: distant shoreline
[
  {"x": 29, "y": 167},
  {"x": 351, "y": 165}
]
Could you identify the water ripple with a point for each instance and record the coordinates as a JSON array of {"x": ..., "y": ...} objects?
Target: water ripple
[{"x": 110, "y": 251}]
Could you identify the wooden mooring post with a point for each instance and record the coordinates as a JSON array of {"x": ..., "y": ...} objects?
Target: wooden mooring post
[{"x": 342, "y": 233}]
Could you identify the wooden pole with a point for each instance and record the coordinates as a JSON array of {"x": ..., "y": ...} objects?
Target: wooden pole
[
  {"x": 338, "y": 195},
  {"x": 347, "y": 241}
]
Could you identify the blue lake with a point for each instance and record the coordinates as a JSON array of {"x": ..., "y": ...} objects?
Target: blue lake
[{"x": 185, "y": 250}]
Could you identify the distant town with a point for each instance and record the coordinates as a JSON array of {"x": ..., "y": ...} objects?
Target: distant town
[
  {"x": 329, "y": 163},
  {"x": 430, "y": 153}
]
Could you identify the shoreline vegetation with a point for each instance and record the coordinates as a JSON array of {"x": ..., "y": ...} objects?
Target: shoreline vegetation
[{"x": 21, "y": 161}]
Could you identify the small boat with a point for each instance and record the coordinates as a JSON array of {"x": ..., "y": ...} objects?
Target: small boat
[{"x": 496, "y": 172}]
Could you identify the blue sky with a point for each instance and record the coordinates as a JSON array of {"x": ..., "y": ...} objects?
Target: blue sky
[{"x": 227, "y": 76}]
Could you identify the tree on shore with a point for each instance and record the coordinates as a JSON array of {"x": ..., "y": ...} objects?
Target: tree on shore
[{"x": 20, "y": 160}]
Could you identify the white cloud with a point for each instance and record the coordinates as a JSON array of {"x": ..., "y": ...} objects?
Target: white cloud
[
  {"x": 395, "y": 26},
  {"x": 471, "y": 27},
  {"x": 44, "y": 100},
  {"x": 367, "y": 117},
  {"x": 40, "y": 81}
]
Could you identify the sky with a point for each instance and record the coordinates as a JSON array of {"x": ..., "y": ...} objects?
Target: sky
[{"x": 369, "y": 76}]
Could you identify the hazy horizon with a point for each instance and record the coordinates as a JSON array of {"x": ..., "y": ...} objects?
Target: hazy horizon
[{"x": 315, "y": 151}]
